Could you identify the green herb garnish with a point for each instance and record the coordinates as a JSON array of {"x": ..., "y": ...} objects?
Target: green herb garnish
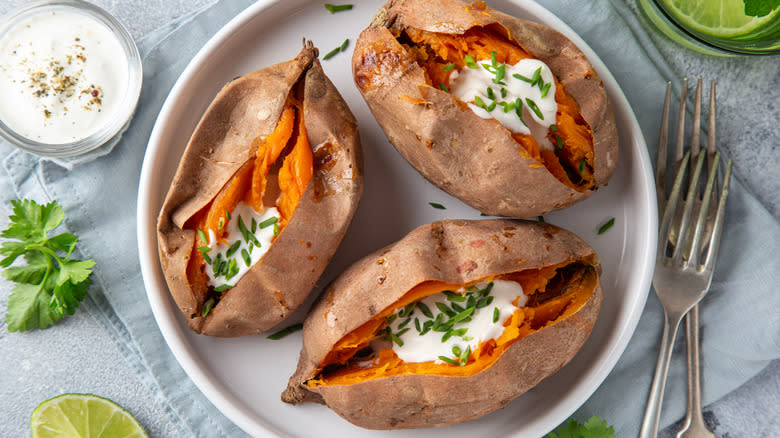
[
  {"x": 285, "y": 331},
  {"x": 448, "y": 67},
  {"x": 496, "y": 314},
  {"x": 443, "y": 87},
  {"x": 537, "y": 76},
  {"x": 337, "y": 8},
  {"x": 437, "y": 206},
  {"x": 233, "y": 248},
  {"x": 553, "y": 128},
  {"x": 595, "y": 427},
  {"x": 559, "y": 142},
  {"x": 247, "y": 258},
  {"x": 603, "y": 229},
  {"x": 448, "y": 360},
  {"x": 582, "y": 166},
  {"x": 531, "y": 104},
  {"x": 522, "y": 78},
  {"x": 470, "y": 62},
  {"x": 276, "y": 229},
  {"x": 52, "y": 284},
  {"x": 203, "y": 237},
  {"x": 540, "y": 218},
  {"x": 546, "y": 89},
  {"x": 207, "y": 307},
  {"x": 268, "y": 222},
  {"x": 222, "y": 288}
]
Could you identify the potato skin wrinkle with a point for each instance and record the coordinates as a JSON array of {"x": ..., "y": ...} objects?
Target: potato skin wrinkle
[
  {"x": 397, "y": 66},
  {"x": 452, "y": 252},
  {"x": 321, "y": 184}
]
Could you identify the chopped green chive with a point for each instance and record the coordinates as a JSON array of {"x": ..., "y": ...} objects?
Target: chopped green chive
[
  {"x": 456, "y": 350},
  {"x": 233, "y": 248},
  {"x": 484, "y": 302},
  {"x": 444, "y": 308},
  {"x": 406, "y": 311},
  {"x": 559, "y": 142},
  {"x": 603, "y": 229},
  {"x": 251, "y": 247},
  {"x": 582, "y": 166},
  {"x": 522, "y": 78},
  {"x": 247, "y": 258},
  {"x": 531, "y": 104},
  {"x": 457, "y": 307},
  {"x": 337, "y": 8},
  {"x": 553, "y": 128},
  {"x": 447, "y": 335},
  {"x": 254, "y": 226},
  {"x": 417, "y": 324},
  {"x": 540, "y": 218},
  {"x": 546, "y": 89},
  {"x": 496, "y": 314},
  {"x": 227, "y": 214},
  {"x": 285, "y": 331},
  {"x": 396, "y": 339},
  {"x": 464, "y": 356},
  {"x": 424, "y": 309},
  {"x": 448, "y": 67},
  {"x": 401, "y": 333},
  {"x": 493, "y": 60},
  {"x": 268, "y": 222},
  {"x": 479, "y": 102},
  {"x": 220, "y": 224},
  {"x": 503, "y": 92},
  {"x": 202, "y": 236},
  {"x": 491, "y": 107},
  {"x": 500, "y": 73},
  {"x": 470, "y": 62},
  {"x": 232, "y": 269},
  {"x": 464, "y": 314},
  {"x": 491, "y": 94},
  {"x": 344, "y": 45},
  {"x": 243, "y": 230},
  {"x": 448, "y": 360},
  {"x": 483, "y": 214},
  {"x": 276, "y": 229},
  {"x": 437, "y": 206},
  {"x": 443, "y": 87},
  {"x": 206, "y": 257},
  {"x": 452, "y": 296},
  {"x": 537, "y": 76},
  {"x": 204, "y": 249},
  {"x": 207, "y": 307},
  {"x": 391, "y": 318},
  {"x": 220, "y": 268},
  {"x": 331, "y": 54},
  {"x": 222, "y": 288}
]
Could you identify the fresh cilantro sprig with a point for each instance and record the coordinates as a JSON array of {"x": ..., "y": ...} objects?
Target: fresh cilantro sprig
[
  {"x": 595, "y": 427},
  {"x": 52, "y": 284}
]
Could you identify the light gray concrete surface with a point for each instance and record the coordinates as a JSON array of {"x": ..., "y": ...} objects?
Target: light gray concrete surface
[{"x": 38, "y": 365}]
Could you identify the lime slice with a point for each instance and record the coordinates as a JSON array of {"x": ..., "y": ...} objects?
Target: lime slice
[
  {"x": 719, "y": 19},
  {"x": 82, "y": 416}
]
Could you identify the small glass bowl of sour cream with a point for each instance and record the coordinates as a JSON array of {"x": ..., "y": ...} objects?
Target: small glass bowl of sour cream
[{"x": 70, "y": 77}]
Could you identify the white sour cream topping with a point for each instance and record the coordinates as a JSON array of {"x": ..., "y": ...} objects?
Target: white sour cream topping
[
  {"x": 62, "y": 76},
  {"x": 468, "y": 82},
  {"x": 238, "y": 256},
  {"x": 429, "y": 346}
]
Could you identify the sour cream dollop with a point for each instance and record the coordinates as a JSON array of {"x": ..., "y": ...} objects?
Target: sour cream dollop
[
  {"x": 62, "y": 76},
  {"x": 529, "y": 85},
  {"x": 486, "y": 321},
  {"x": 228, "y": 261}
]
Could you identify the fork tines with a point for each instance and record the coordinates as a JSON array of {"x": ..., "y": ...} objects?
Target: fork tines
[{"x": 687, "y": 241}]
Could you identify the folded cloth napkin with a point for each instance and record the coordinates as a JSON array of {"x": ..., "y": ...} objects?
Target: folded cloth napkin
[{"x": 740, "y": 336}]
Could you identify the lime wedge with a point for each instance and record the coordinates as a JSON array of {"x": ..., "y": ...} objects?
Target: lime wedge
[
  {"x": 719, "y": 19},
  {"x": 82, "y": 416}
]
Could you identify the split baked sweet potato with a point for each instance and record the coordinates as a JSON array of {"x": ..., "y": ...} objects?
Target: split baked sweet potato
[
  {"x": 415, "y": 66},
  {"x": 448, "y": 324},
  {"x": 263, "y": 195}
]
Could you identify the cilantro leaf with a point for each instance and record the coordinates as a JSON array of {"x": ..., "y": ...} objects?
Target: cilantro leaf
[
  {"x": 760, "y": 8},
  {"x": 51, "y": 284},
  {"x": 595, "y": 427}
]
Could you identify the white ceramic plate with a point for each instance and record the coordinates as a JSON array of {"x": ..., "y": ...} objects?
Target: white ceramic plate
[{"x": 244, "y": 377}]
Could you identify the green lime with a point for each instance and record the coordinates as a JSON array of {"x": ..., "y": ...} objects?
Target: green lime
[
  {"x": 82, "y": 416},
  {"x": 719, "y": 18}
]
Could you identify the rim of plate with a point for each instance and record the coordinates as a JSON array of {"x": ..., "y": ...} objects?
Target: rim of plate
[{"x": 237, "y": 411}]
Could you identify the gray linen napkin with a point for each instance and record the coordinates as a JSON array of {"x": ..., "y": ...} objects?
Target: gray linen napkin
[{"x": 740, "y": 336}]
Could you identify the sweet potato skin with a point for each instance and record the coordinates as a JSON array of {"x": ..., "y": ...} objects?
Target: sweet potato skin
[
  {"x": 247, "y": 108},
  {"x": 453, "y": 251},
  {"x": 472, "y": 158}
]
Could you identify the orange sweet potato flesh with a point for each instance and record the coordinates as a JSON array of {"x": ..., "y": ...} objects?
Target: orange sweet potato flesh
[
  {"x": 543, "y": 309},
  {"x": 250, "y": 182},
  {"x": 434, "y": 51}
]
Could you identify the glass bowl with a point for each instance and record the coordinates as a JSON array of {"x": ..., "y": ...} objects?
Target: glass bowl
[{"x": 118, "y": 118}]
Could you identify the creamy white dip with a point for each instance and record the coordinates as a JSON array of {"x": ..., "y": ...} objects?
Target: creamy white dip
[
  {"x": 491, "y": 94},
  {"x": 486, "y": 322},
  {"x": 62, "y": 76},
  {"x": 241, "y": 251}
]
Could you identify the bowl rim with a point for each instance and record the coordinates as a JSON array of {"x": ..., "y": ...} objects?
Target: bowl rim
[{"x": 126, "y": 108}]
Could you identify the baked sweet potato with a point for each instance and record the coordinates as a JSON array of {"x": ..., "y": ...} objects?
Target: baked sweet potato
[
  {"x": 462, "y": 272},
  {"x": 415, "y": 66},
  {"x": 276, "y": 156}
]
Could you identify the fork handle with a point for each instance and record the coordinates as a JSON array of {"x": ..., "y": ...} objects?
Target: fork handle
[{"x": 653, "y": 409}]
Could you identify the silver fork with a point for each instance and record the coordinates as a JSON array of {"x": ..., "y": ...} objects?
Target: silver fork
[{"x": 686, "y": 254}]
